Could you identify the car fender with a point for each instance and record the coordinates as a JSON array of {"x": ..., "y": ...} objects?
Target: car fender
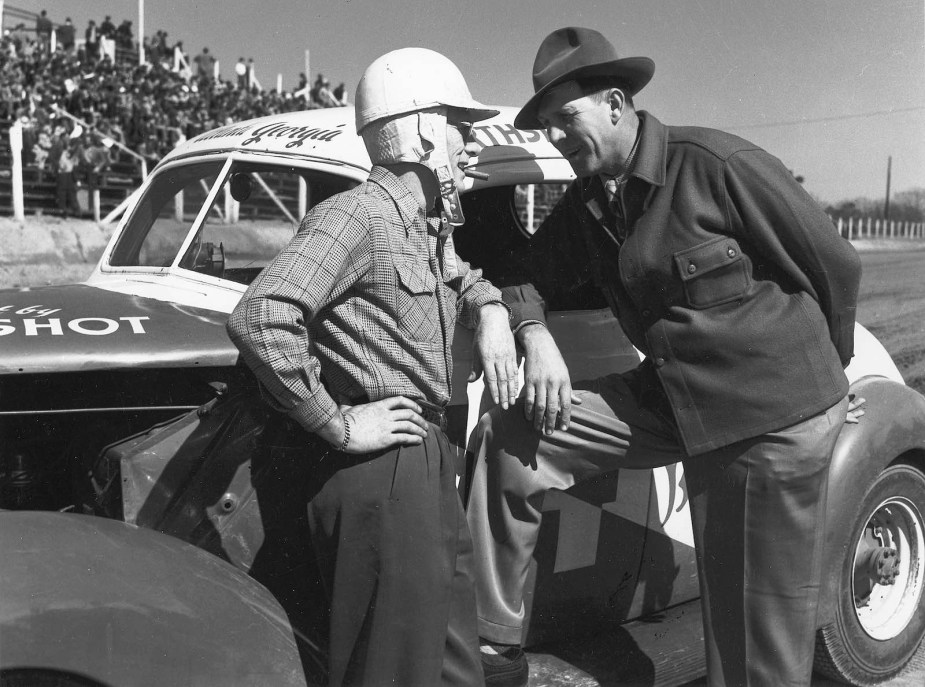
[
  {"x": 893, "y": 425},
  {"x": 123, "y": 605}
]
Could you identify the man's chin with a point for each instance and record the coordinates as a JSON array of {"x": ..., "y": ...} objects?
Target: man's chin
[{"x": 581, "y": 168}]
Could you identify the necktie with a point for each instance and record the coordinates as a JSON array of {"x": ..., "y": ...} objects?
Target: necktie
[{"x": 614, "y": 188}]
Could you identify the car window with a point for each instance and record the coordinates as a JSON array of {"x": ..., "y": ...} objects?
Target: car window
[
  {"x": 255, "y": 213},
  {"x": 164, "y": 215},
  {"x": 532, "y": 203}
]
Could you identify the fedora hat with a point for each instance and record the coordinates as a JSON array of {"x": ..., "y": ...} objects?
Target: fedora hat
[{"x": 572, "y": 53}]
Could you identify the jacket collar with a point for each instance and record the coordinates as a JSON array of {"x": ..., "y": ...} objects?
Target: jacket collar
[{"x": 652, "y": 158}]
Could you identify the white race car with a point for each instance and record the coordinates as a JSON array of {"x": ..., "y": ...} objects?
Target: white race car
[{"x": 143, "y": 341}]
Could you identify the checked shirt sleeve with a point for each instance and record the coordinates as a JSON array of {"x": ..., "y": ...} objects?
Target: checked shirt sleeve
[{"x": 269, "y": 325}]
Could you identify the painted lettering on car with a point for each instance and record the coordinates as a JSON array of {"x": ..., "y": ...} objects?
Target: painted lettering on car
[{"x": 88, "y": 326}]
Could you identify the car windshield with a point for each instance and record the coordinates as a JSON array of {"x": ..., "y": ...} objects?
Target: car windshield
[{"x": 251, "y": 218}]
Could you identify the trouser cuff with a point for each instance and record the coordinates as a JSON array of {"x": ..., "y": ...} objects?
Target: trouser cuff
[{"x": 499, "y": 634}]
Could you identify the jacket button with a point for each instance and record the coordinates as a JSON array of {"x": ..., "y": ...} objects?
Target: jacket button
[
  {"x": 731, "y": 252},
  {"x": 692, "y": 268},
  {"x": 659, "y": 362},
  {"x": 646, "y": 313}
]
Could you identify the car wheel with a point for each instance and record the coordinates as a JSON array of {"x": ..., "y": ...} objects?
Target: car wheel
[{"x": 880, "y": 614}]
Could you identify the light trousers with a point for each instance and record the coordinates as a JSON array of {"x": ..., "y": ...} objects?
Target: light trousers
[{"x": 758, "y": 511}]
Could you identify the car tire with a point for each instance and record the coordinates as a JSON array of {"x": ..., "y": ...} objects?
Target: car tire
[{"x": 878, "y": 625}]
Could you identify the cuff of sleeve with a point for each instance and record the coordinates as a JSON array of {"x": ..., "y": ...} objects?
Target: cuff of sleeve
[
  {"x": 521, "y": 313},
  {"x": 525, "y": 323},
  {"x": 498, "y": 301},
  {"x": 315, "y": 412},
  {"x": 468, "y": 311}
]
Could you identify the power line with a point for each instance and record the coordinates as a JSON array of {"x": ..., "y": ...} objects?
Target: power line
[{"x": 878, "y": 113}]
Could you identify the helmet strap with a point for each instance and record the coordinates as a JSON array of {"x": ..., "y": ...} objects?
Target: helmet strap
[{"x": 449, "y": 194}]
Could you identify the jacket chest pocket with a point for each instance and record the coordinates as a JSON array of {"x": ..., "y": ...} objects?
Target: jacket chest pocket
[
  {"x": 713, "y": 273},
  {"x": 418, "y": 311}
]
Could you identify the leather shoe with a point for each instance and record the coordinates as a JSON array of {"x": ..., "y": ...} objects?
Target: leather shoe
[{"x": 506, "y": 666}]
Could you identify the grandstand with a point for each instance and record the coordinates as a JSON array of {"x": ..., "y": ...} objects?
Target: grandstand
[{"x": 116, "y": 113}]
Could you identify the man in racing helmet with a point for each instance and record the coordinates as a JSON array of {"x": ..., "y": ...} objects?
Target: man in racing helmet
[
  {"x": 404, "y": 102},
  {"x": 349, "y": 332}
]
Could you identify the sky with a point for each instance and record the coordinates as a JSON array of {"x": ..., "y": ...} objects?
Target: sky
[{"x": 834, "y": 88}]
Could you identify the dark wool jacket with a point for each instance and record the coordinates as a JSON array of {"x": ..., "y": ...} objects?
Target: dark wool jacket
[{"x": 731, "y": 279}]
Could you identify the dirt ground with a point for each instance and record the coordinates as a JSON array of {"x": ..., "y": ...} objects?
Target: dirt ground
[{"x": 48, "y": 250}]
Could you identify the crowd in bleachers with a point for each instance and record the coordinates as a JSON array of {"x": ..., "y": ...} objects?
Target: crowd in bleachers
[{"x": 146, "y": 105}]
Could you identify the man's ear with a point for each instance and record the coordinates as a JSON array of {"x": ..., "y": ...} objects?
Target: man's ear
[{"x": 616, "y": 99}]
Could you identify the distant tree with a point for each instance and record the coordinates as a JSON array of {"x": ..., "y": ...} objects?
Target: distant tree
[
  {"x": 911, "y": 203},
  {"x": 906, "y": 206}
]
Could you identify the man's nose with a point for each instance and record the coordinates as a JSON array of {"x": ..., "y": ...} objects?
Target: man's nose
[
  {"x": 472, "y": 148},
  {"x": 555, "y": 134}
]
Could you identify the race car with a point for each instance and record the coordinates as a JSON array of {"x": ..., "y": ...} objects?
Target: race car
[{"x": 123, "y": 398}]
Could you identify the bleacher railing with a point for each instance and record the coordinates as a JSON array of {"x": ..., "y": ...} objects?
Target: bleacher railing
[{"x": 16, "y": 169}]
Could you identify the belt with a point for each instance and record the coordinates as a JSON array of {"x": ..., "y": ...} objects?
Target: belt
[{"x": 432, "y": 413}]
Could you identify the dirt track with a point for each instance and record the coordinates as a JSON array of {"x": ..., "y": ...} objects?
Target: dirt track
[{"x": 892, "y": 306}]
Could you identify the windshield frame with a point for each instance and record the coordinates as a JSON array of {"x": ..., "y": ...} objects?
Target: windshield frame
[{"x": 228, "y": 160}]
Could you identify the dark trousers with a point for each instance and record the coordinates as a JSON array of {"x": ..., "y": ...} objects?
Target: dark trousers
[
  {"x": 757, "y": 506},
  {"x": 67, "y": 193},
  {"x": 394, "y": 555}
]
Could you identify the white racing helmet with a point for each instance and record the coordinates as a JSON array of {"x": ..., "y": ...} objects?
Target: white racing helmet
[{"x": 401, "y": 106}]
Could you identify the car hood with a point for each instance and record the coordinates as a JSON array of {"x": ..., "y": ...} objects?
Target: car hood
[{"x": 77, "y": 327}]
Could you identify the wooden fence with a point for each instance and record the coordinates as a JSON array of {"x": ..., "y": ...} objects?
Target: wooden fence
[{"x": 854, "y": 228}]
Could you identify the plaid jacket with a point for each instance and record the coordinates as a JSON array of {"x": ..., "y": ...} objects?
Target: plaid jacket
[{"x": 357, "y": 298}]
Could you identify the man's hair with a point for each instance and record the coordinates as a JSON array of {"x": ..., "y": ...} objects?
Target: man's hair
[{"x": 596, "y": 86}]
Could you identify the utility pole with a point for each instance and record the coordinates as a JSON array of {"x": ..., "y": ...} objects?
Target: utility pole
[
  {"x": 886, "y": 203},
  {"x": 141, "y": 32}
]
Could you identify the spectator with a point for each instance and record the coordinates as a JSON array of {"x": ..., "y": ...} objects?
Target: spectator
[
  {"x": 240, "y": 70},
  {"x": 107, "y": 28},
  {"x": 18, "y": 37},
  {"x": 325, "y": 96},
  {"x": 159, "y": 52},
  {"x": 7, "y": 99},
  {"x": 66, "y": 36},
  {"x": 66, "y": 184},
  {"x": 43, "y": 28},
  {"x": 315, "y": 92},
  {"x": 96, "y": 161},
  {"x": 205, "y": 65},
  {"x": 124, "y": 37},
  {"x": 41, "y": 149},
  {"x": 92, "y": 42},
  {"x": 340, "y": 94}
]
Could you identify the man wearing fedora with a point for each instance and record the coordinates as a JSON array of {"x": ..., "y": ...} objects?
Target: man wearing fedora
[{"x": 741, "y": 294}]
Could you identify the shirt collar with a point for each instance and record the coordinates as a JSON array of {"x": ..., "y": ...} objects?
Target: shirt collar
[
  {"x": 651, "y": 159},
  {"x": 406, "y": 203}
]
